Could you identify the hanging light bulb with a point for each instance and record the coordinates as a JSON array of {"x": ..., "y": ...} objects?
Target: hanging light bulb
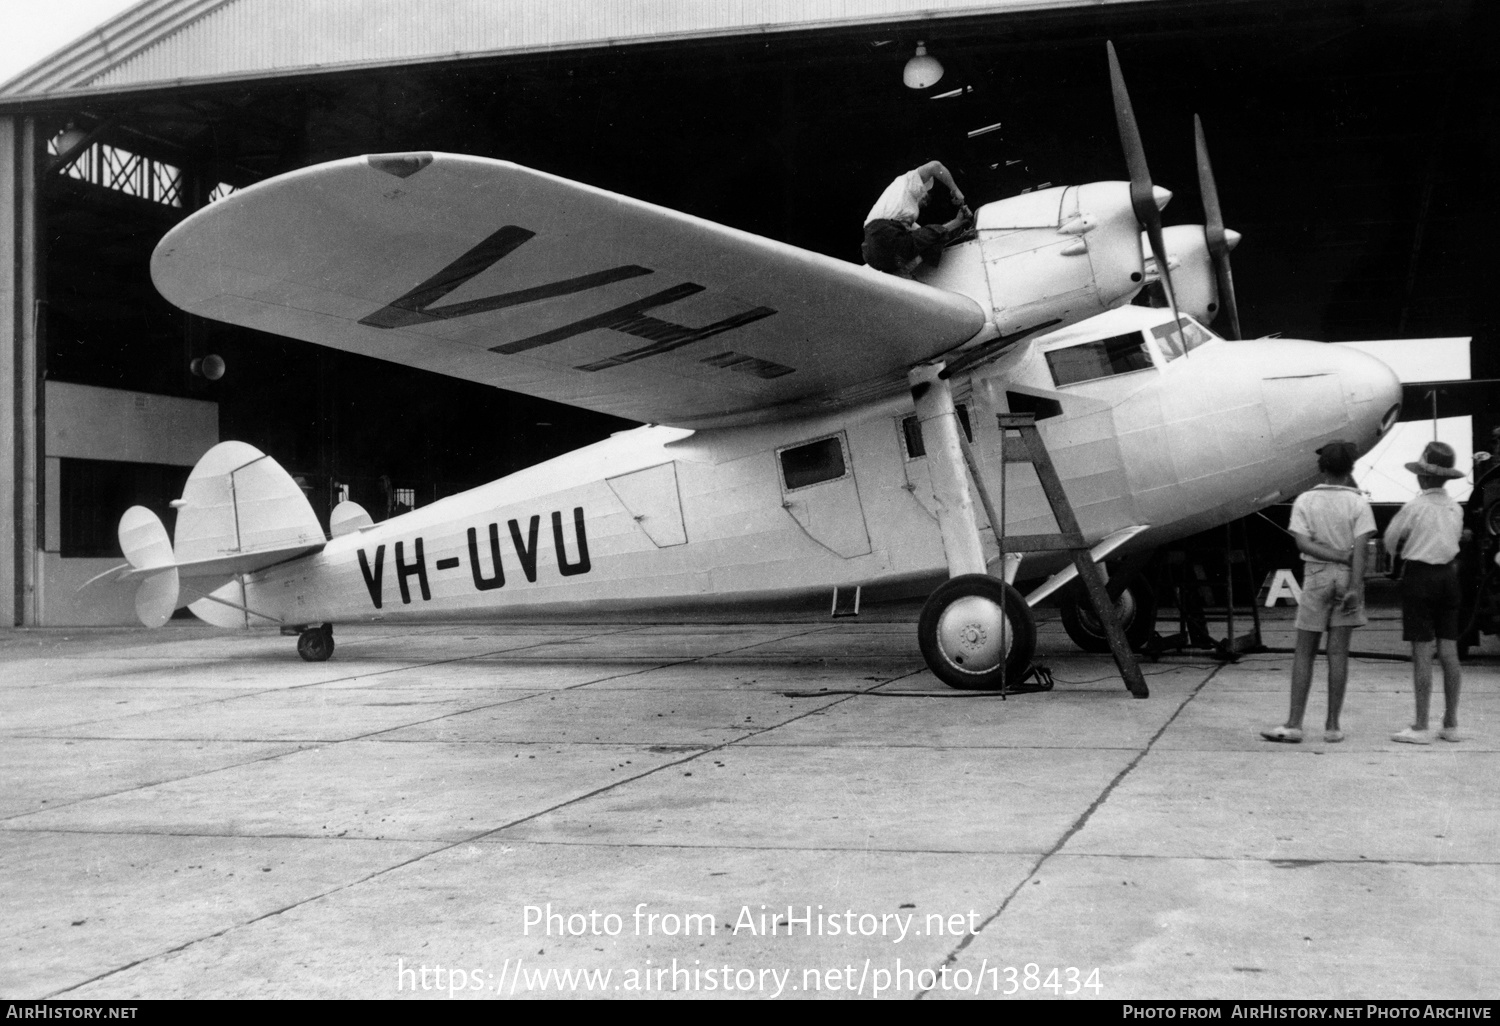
[
  {"x": 922, "y": 71},
  {"x": 210, "y": 367}
]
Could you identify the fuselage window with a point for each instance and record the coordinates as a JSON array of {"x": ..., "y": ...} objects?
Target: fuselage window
[
  {"x": 1099, "y": 359},
  {"x": 1192, "y": 335},
  {"x": 911, "y": 431},
  {"x": 812, "y": 463}
]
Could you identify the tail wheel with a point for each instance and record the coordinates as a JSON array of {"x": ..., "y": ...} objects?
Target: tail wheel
[
  {"x": 1137, "y": 606},
  {"x": 316, "y": 643},
  {"x": 977, "y": 632}
]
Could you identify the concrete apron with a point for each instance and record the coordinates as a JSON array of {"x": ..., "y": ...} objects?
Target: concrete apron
[{"x": 744, "y": 810}]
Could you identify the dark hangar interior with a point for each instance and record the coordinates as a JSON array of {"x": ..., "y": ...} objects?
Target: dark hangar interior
[{"x": 1354, "y": 143}]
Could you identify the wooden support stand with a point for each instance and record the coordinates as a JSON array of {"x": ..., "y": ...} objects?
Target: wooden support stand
[
  {"x": 1234, "y": 646},
  {"x": 1069, "y": 538}
]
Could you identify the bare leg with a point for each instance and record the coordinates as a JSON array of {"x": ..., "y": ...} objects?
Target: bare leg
[
  {"x": 1447, "y": 651},
  {"x": 1338, "y": 672},
  {"x": 1302, "y": 666},
  {"x": 1421, "y": 679}
]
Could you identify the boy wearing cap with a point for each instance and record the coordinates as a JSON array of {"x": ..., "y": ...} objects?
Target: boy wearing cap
[
  {"x": 1331, "y": 523},
  {"x": 1425, "y": 533}
]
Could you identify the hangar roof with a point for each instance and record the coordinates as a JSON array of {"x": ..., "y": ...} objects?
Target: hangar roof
[{"x": 161, "y": 43}]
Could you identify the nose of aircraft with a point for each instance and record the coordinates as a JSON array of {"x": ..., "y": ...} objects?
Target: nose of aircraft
[
  {"x": 1316, "y": 392},
  {"x": 1372, "y": 394}
]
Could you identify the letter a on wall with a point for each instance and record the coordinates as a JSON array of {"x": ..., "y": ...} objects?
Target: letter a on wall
[{"x": 1283, "y": 585}]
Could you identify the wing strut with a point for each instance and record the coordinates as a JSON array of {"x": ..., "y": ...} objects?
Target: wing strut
[{"x": 938, "y": 420}]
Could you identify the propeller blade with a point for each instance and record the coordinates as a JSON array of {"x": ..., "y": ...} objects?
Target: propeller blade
[
  {"x": 1219, "y": 243},
  {"x": 1142, "y": 193},
  {"x": 1141, "y": 198}
]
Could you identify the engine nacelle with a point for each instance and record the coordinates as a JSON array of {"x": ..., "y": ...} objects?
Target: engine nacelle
[
  {"x": 1059, "y": 254},
  {"x": 1193, "y": 280}
]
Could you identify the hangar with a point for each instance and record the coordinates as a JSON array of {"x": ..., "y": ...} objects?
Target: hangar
[{"x": 1353, "y": 141}]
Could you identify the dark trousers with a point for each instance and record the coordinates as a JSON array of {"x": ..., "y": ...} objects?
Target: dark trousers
[
  {"x": 1429, "y": 601},
  {"x": 890, "y": 245}
]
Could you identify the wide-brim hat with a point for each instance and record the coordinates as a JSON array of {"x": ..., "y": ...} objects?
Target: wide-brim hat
[{"x": 1437, "y": 461}]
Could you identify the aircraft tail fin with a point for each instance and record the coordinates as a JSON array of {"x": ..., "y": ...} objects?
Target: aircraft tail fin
[
  {"x": 148, "y": 550},
  {"x": 240, "y": 512},
  {"x": 238, "y": 501}
]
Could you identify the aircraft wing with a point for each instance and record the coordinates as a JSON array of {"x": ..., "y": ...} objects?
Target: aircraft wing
[
  {"x": 494, "y": 273},
  {"x": 1424, "y": 400}
]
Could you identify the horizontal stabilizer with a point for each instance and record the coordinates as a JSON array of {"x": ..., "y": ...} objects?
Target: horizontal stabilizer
[
  {"x": 229, "y": 566},
  {"x": 114, "y": 573}
]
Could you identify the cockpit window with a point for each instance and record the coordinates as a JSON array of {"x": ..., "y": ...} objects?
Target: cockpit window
[
  {"x": 1099, "y": 359},
  {"x": 1192, "y": 335}
]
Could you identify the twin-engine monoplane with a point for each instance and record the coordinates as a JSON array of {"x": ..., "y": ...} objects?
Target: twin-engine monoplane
[{"x": 806, "y": 418}]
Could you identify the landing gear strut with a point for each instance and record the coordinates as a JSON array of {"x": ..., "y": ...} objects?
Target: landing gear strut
[
  {"x": 976, "y": 632},
  {"x": 315, "y": 644}
]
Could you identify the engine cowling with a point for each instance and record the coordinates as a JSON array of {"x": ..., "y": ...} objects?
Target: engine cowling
[
  {"x": 1192, "y": 268},
  {"x": 1055, "y": 255}
]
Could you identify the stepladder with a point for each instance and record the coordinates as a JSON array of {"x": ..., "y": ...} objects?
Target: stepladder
[{"x": 1021, "y": 442}]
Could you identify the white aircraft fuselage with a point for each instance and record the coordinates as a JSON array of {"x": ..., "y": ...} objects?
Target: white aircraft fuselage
[{"x": 666, "y": 518}]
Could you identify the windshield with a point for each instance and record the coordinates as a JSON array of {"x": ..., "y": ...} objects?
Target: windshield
[{"x": 1189, "y": 333}]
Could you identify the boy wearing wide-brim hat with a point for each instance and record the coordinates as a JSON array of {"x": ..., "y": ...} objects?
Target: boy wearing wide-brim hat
[{"x": 1425, "y": 534}]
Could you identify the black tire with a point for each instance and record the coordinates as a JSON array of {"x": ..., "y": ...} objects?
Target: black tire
[
  {"x": 316, "y": 643},
  {"x": 1137, "y": 604},
  {"x": 964, "y": 637}
]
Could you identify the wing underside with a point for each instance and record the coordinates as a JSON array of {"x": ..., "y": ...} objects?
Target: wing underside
[{"x": 498, "y": 274}]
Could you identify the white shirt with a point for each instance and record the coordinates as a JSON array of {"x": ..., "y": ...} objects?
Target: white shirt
[
  {"x": 1331, "y": 515},
  {"x": 1427, "y": 528},
  {"x": 902, "y": 199}
]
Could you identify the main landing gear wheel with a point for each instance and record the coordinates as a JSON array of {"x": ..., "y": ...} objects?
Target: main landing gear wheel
[
  {"x": 316, "y": 643},
  {"x": 976, "y": 632},
  {"x": 1137, "y": 605}
]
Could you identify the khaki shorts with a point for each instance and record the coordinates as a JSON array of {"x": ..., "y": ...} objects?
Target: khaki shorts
[{"x": 1323, "y": 588}]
